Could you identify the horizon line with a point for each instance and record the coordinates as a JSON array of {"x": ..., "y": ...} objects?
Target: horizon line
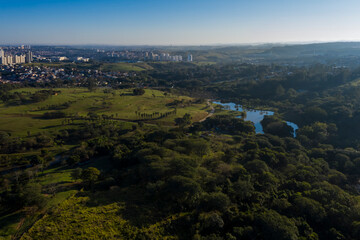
[{"x": 184, "y": 45}]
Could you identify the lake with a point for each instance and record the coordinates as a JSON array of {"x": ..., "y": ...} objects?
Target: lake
[{"x": 255, "y": 116}]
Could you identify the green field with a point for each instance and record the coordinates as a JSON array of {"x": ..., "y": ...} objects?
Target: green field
[
  {"x": 24, "y": 119},
  {"x": 125, "y": 67}
]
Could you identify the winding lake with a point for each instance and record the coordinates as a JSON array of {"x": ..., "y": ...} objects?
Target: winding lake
[{"x": 255, "y": 116}]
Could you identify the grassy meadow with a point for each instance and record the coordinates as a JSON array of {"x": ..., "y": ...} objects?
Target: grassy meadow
[{"x": 121, "y": 104}]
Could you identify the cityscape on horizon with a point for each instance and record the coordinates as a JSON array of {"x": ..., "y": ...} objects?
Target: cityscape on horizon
[{"x": 23, "y": 54}]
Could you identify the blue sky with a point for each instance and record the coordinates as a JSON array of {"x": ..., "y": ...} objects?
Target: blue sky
[{"x": 180, "y": 22}]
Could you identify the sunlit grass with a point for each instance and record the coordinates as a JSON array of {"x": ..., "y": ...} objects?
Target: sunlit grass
[{"x": 24, "y": 119}]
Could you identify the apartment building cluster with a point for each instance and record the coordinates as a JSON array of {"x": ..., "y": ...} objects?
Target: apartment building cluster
[
  {"x": 162, "y": 57},
  {"x": 141, "y": 55},
  {"x": 15, "y": 59}
]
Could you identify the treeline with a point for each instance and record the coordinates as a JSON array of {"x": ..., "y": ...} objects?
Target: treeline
[
  {"x": 10, "y": 144},
  {"x": 54, "y": 115},
  {"x": 224, "y": 124},
  {"x": 19, "y": 98},
  {"x": 184, "y": 103},
  {"x": 60, "y": 106},
  {"x": 155, "y": 115}
]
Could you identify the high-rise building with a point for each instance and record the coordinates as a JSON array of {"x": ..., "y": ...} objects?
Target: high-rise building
[
  {"x": 22, "y": 58},
  {"x": 29, "y": 57},
  {"x": 14, "y": 59},
  {"x": 190, "y": 58},
  {"x": 9, "y": 60},
  {"x": 18, "y": 59},
  {"x": 2, "y": 57},
  {"x": 163, "y": 57},
  {"x": 151, "y": 56}
]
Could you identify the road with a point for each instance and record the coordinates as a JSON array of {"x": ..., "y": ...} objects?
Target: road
[{"x": 212, "y": 110}]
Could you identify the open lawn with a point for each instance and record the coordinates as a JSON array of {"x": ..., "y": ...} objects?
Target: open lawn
[
  {"x": 125, "y": 67},
  {"x": 120, "y": 104}
]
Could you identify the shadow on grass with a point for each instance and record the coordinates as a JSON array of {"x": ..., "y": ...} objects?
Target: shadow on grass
[
  {"x": 53, "y": 126},
  {"x": 7, "y": 223},
  {"x": 127, "y": 94},
  {"x": 135, "y": 206}
]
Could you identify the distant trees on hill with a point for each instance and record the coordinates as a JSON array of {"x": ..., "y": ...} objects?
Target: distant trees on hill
[
  {"x": 54, "y": 115},
  {"x": 138, "y": 91},
  {"x": 276, "y": 126},
  {"x": 185, "y": 120},
  {"x": 18, "y": 98},
  {"x": 155, "y": 115}
]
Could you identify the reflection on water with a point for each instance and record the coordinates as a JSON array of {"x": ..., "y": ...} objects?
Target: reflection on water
[{"x": 254, "y": 116}]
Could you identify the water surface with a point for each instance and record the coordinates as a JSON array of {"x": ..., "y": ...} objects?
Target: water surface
[{"x": 255, "y": 116}]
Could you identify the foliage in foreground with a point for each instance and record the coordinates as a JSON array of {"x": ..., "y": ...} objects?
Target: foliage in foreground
[{"x": 243, "y": 186}]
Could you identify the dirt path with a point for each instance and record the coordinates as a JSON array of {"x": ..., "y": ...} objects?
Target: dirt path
[{"x": 212, "y": 110}]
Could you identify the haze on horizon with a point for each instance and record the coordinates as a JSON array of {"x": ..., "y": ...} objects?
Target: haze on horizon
[{"x": 160, "y": 22}]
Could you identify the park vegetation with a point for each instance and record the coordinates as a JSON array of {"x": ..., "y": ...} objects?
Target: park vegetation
[{"x": 140, "y": 163}]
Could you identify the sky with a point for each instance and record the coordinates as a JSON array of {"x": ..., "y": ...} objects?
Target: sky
[{"x": 177, "y": 22}]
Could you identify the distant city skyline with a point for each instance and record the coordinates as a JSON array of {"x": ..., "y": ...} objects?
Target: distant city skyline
[{"x": 160, "y": 22}]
